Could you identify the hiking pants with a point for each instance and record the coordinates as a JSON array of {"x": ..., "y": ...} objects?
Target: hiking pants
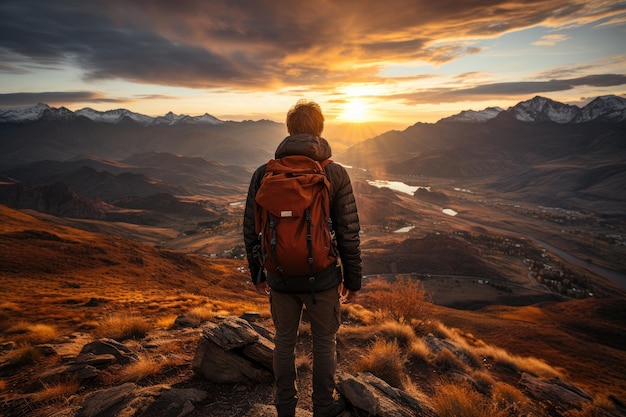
[{"x": 324, "y": 317}]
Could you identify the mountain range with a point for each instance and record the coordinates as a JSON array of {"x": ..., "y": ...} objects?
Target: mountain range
[
  {"x": 538, "y": 109},
  {"x": 608, "y": 108},
  {"x": 539, "y": 150}
]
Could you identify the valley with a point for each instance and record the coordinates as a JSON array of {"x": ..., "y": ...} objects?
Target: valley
[{"x": 518, "y": 241}]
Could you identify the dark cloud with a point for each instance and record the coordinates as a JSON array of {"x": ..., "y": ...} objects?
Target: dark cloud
[
  {"x": 52, "y": 98},
  {"x": 504, "y": 90},
  {"x": 263, "y": 43}
]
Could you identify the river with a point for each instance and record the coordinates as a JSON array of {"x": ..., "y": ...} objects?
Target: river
[{"x": 614, "y": 276}]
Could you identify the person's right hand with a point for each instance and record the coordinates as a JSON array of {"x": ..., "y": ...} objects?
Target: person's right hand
[{"x": 347, "y": 296}]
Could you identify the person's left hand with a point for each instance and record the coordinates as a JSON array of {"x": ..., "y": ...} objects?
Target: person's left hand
[{"x": 262, "y": 288}]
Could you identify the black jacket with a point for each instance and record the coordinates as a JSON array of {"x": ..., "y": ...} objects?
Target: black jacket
[{"x": 342, "y": 207}]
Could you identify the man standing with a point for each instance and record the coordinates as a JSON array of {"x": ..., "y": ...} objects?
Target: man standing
[{"x": 305, "y": 124}]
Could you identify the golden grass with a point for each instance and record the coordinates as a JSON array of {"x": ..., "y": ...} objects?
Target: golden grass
[
  {"x": 602, "y": 406},
  {"x": 393, "y": 330},
  {"x": 440, "y": 330},
  {"x": 23, "y": 355},
  {"x": 122, "y": 326},
  {"x": 510, "y": 399},
  {"x": 145, "y": 367},
  {"x": 403, "y": 300},
  {"x": 517, "y": 363},
  {"x": 167, "y": 321},
  {"x": 475, "y": 349},
  {"x": 56, "y": 392},
  {"x": 202, "y": 313},
  {"x": 454, "y": 400},
  {"x": 385, "y": 360},
  {"x": 418, "y": 349},
  {"x": 484, "y": 380},
  {"x": 31, "y": 333},
  {"x": 447, "y": 361},
  {"x": 356, "y": 313}
]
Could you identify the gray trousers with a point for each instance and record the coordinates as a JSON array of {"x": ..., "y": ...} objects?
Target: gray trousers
[{"x": 325, "y": 317}]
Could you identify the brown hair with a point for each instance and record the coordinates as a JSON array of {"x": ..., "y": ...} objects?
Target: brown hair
[{"x": 305, "y": 117}]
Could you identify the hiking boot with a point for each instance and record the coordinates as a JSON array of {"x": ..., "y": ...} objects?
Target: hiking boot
[
  {"x": 336, "y": 409},
  {"x": 286, "y": 411}
]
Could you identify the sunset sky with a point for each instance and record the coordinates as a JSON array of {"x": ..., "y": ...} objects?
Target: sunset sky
[{"x": 401, "y": 61}]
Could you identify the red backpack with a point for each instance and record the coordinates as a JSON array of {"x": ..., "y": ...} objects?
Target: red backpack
[{"x": 292, "y": 218}]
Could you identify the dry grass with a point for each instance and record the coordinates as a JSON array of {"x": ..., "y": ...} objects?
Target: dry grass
[
  {"x": 357, "y": 314},
  {"x": 447, "y": 362},
  {"x": 122, "y": 326},
  {"x": 23, "y": 355},
  {"x": 418, "y": 349},
  {"x": 403, "y": 300},
  {"x": 517, "y": 363},
  {"x": 201, "y": 313},
  {"x": 602, "y": 406},
  {"x": 454, "y": 400},
  {"x": 475, "y": 349},
  {"x": 145, "y": 367},
  {"x": 440, "y": 330},
  {"x": 166, "y": 322},
  {"x": 402, "y": 333},
  {"x": 511, "y": 400},
  {"x": 31, "y": 333},
  {"x": 56, "y": 392},
  {"x": 386, "y": 361},
  {"x": 484, "y": 380}
]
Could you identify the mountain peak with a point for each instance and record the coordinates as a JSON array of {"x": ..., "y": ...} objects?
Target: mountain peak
[
  {"x": 471, "y": 116},
  {"x": 542, "y": 109}
]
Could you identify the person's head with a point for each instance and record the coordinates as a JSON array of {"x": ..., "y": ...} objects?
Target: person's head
[{"x": 305, "y": 117}]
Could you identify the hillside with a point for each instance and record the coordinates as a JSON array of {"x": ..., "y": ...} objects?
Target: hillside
[
  {"x": 61, "y": 281},
  {"x": 571, "y": 165}
]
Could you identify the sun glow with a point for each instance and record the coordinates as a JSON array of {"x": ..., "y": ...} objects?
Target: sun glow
[{"x": 354, "y": 111}]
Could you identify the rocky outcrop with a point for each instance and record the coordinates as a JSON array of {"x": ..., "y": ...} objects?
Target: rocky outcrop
[
  {"x": 233, "y": 351},
  {"x": 377, "y": 398},
  {"x": 131, "y": 400},
  {"x": 557, "y": 390},
  {"x": 85, "y": 367}
]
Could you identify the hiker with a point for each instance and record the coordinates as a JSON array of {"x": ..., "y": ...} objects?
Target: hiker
[{"x": 321, "y": 292}]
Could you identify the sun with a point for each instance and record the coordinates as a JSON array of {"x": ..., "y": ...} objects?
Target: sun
[{"x": 354, "y": 111}]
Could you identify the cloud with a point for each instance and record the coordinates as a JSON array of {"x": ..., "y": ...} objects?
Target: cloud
[
  {"x": 63, "y": 97},
  {"x": 504, "y": 90},
  {"x": 550, "y": 40},
  {"x": 264, "y": 44}
]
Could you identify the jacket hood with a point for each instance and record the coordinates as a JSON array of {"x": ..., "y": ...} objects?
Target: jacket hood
[{"x": 314, "y": 147}]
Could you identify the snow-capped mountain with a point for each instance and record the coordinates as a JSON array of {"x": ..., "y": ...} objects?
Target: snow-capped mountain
[
  {"x": 113, "y": 116},
  {"x": 31, "y": 114},
  {"x": 541, "y": 109},
  {"x": 45, "y": 112},
  {"x": 472, "y": 116},
  {"x": 608, "y": 108}
]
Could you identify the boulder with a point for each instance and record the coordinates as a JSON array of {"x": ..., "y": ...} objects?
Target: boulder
[
  {"x": 232, "y": 351},
  {"x": 377, "y": 398},
  {"x": 555, "y": 390},
  {"x": 98, "y": 402},
  {"x": 107, "y": 346},
  {"x": 130, "y": 400}
]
